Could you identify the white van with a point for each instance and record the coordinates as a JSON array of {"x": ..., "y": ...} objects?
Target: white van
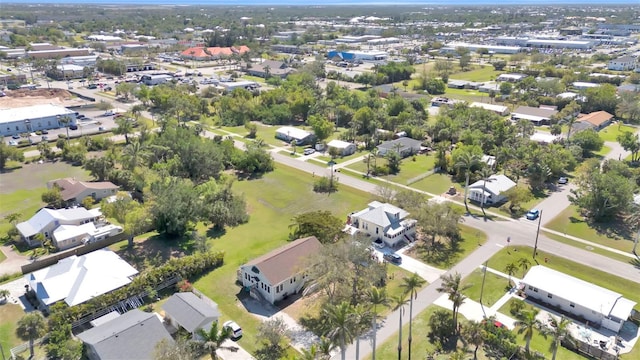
[{"x": 109, "y": 113}]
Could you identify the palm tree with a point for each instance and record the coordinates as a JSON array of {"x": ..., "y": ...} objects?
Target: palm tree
[
  {"x": 526, "y": 325},
  {"x": 340, "y": 319},
  {"x": 466, "y": 161},
  {"x": 65, "y": 121},
  {"x": 472, "y": 333},
  {"x": 485, "y": 174},
  {"x": 325, "y": 346},
  {"x": 524, "y": 264},
  {"x": 398, "y": 303},
  {"x": 360, "y": 317},
  {"x": 30, "y": 327},
  {"x": 559, "y": 331},
  {"x": 125, "y": 127},
  {"x": 411, "y": 285},
  {"x": 133, "y": 153},
  {"x": 511, "y": 269},
  {"x": 13, "y": 218},
  {"x": 451, "y": 285},
  {"x": 214, "y": 338},
  {"x": 375, "y": 297}
]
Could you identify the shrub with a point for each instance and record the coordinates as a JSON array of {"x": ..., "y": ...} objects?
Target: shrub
[
  {"x": 516, "y": 307},
  {"x": 326, "y": 185},
  {"x": 62, "y": 136}
]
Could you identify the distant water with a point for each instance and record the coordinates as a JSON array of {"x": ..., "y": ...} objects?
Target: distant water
[{"x": 329, "y": 2}]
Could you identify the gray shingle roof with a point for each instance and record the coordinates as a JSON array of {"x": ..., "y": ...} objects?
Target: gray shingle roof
[
  {"x": 132, "y": 335},
  {"x": 404, "y": 143},
  {"x": 190, "y": 311}
]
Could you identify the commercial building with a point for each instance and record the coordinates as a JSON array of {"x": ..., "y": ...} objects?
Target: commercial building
[
  {"x": 29, "y": 119},
  {"x": 88, "y": 61},
  {"x": 493, "y": 49},
  {"x": 357, "y": 55},
  {"x": 151, "y": 80},
  {"x": 585, "y": 301}
]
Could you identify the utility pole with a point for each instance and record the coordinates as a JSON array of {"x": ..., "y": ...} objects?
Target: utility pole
[
  {"x": 535, "y": 246},
  {"x": 484, "y": 275}
]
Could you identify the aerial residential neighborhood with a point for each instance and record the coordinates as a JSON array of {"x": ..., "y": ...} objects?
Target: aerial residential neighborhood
[{"x": 320, "y": 181}]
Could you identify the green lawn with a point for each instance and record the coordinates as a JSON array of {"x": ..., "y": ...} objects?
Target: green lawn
[
  {"x": 611, "y": 132},
  {"x": 524, "y": 207},
  {"x": 445, "y": 257},
  {"x": 482, "y": 74},
  {"x": 290, "y": 193},
  {"x": 570, "y": 222},
  {"x": 9, "y": 316},
  {"x": 436, "y": 184},
  {"x": 495, "y": 286},
  {"x": 602, "y": 152},
  {"x": 325, "y": 158},
  {"x": 513, "y": 253},
  {"x": 410, "y": 167}
]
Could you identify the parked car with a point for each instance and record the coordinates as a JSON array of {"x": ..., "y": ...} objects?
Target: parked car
[
  {"x": 533, "y": 214},
  {"x": 44, "y": 132},
  {"x": 109, "y": 113},
  {"x": 92, "y": 86},
  {"x": 563, "y": 180},
  {"x": 13, "y": 143},
  {"x": 80, "y": 116},
  {"x": 101, "y": 128},
  {"x": 309, "y": 151},
  {"x": 378, "y": 243},
  {"x": 392, "y": 258},
  {"x": 17, "y": 137},
  {"x": 235, "y": 329},
  {"x": 45, "y": 138}
]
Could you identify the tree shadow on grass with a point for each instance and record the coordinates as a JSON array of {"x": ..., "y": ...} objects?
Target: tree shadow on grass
[
  {"x": 616, "y": 229},
  {"x": 216, "y": 232},
  {"x": 438, "y": 254},
  {"x": 155, "y": 251}
]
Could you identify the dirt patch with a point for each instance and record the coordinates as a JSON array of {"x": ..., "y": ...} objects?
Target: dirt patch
[{"x": 26, "y": 97}]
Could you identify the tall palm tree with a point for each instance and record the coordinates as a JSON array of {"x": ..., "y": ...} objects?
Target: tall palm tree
[
  {"x": 472, "y": 333},
  {"x": 133, "y": 153},
  {"x": 524, "y": 264},
  {"x": 398, "y": 303},
  {"x": 559, "y": 331},
  {"x": 527, "y": 324},
  {"x": 360, "y": 316},
  {"x": 376, "y": 296},
  {"x": 411, "y": 285},
  {"x": 451, "y": 285},
  {"x": 485, "y": 174},
  {"x": 466, "y": 161},
  {"x": 125, "y": 127},
  {"x": 510, "y": 269},
  {"x": 340, "y": 319},
  {"x": 325, "y": 346},
  {"x": 65, "y": 121},
  {"x": 214, "y": 338},
  {"x": 30, "y": 327}
]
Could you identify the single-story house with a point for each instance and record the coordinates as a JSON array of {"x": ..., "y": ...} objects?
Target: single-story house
[
  {"x": 404, "y": 146},
  {"x": 490, "y": 86},
  {"x": 268, "y": 68},
  {"x": 544, "y": 138},
  {"x": 281, "y": 272},
  {"x": 511, "y": 77},
  {"x": 386, "y": 222},
  {"x": 77, "y": 279},
  {"x": 490, "y": 191},
  {"x": 586, "y": 301},
  {"x": 599, "y": 119},
  {"x": 74, "y": 191},
  {"x": 583, "y": 85},
  {"x": 47, "y": 220},
  {"x": 498, "y": 109},
  {"x": 345, "y": 148},
  {"x": 132, "y": 335},
  {"x": 186, "y": 310},
  {"x": 538, "y": 116},
  {"x": 289, "y": 134}
]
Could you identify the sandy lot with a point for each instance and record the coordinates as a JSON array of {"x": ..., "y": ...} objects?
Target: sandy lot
[{"x": 25, "y": 97}]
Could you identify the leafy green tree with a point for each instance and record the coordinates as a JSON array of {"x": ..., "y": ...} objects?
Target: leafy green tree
[
  {"x": 53, "y": 197},
  {"x": 631, "y": 143},
  {"x": 31, "y": 327},
  {"x": 442, "y": 330},
  {"x": 499, "y": 65},
  {"x": 322, "y": 128},
  {"x": 255, "y": 161},
  {"x": 601, "y": 98},
  {"x": 321, "y": 224},
  {"x": 517, "y": 196},
  {"x": 393, "y": 162},
  {"x": 9, "y": 153},
  {"x": 506, "y": 88},
  {"x": 411, "y": 285},
  {"x": 214, "y": 338},
  {"x": 452, "y": 286},
  {"x": 473, "y": 335},
  {"x": 527, "y": 324},
  {"x": 181, "y": 349},
  {"x": 99, "y": 167},
  {"x": 271, "y": 334},
  {"x": 628, "y": 107},
  {"x": 125, "y": 127},
  {"x": 174, "y": 205},
  {"x": 589, "y": 140}
]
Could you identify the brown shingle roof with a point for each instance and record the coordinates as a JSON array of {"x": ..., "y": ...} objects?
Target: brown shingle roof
[
  {"x": 282, "y": 263},
  {"x": 71, "y": 188},
  {"x": 596, "y": 118}
]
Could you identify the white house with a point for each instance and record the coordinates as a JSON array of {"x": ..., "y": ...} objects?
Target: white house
[
  {"x": 68, "y": 236},
  {"x": 538, "y": 116},
  {"x": 77, "y": 279},
  {"x": 589, "y": 302},
  {"x": 498, "y": 109},
  {"x": 511, "y": 77},
  {"x": 490, "y": 191},
  {"x": 46, "y": 221},
  {"x": 280, "y": 273},
  {"x": 289, "y": 133},
  {"x": 404, "y": 146},
  {"x": 188, "y": 311},
  {"x": 623, "y": 63},
  {"x": 384, "y": 221},
  {"x": 345, "y": 148}
]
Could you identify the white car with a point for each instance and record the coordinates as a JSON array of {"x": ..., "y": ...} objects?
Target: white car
[
  {"x": 378, "y": 243},
  {"x": 309, "y": 151},
  {"x": 234, "y": 328}
]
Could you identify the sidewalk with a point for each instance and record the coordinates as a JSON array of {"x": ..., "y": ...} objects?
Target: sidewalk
[{"x": 472, "y": 310}]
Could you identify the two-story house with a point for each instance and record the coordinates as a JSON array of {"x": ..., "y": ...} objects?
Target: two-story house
[
  {"x": 46, "y": 221},
  {"x": 280, "y": 273},
  {"x": 386, "y": 222}
]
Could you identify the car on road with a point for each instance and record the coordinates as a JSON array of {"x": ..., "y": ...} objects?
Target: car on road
[
  {"x": 80, "y": 116},
  {"x": 13, "y": 143},
  {"x": 45, "y": 138},
  {"x": 533, "y": 214},
  {"x": 109, "y": 113},
  {"x": 73, "y": 127},
  {"x": 44, "y": 132},
  {"x": 17, "y": 137},
  {"x": 563, "y": 180},
  {"x": 309, "y": 151},
  {"x": 234, "y": 329},
  {"x": 92, "y": 86},
  {"x": 392, "y": 258},
  {"x": 101, "y": 128},
  {"x": 378, "y": 243}
]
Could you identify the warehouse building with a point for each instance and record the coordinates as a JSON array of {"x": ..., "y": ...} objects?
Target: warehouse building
[
  {"x": 358, "y": 55},
  {"x": 33, "y": 118}
]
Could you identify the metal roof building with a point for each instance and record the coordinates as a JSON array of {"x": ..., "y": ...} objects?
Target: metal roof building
[{"x": 33, "y": 118}]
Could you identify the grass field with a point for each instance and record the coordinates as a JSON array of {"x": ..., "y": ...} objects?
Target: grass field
[
  {"x": 495, "y": 286},
  {"x": 436, "y": 184},
  {"x": 602, "y": 152},
  {"x": 445, "y": 257},
  {"x": 570, "y": 222},
  {"x": 481, "y": 74},
  {"x": 611, "y": 132},
  {"x": 9, "y": 316},
  {"x": 409, "y": 168},
  {"x": 270, "y": 216}
]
